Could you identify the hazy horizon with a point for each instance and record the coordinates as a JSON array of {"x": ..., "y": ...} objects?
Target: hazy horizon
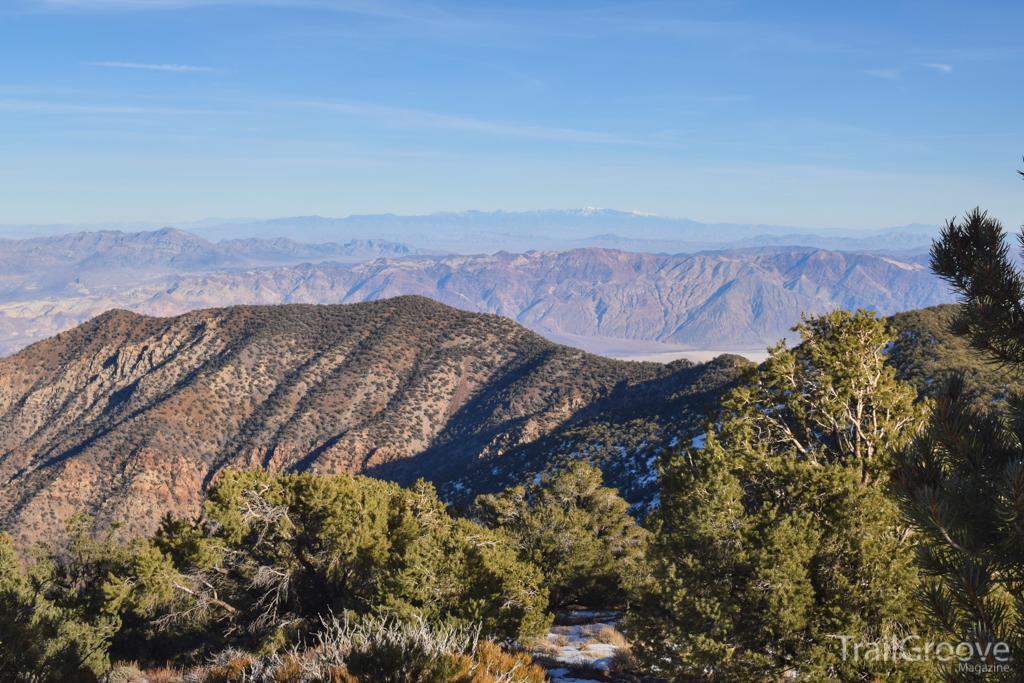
[{"x": 27, "y": 230}]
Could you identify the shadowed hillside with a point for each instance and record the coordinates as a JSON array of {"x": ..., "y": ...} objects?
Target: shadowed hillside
[
  {"x": 626, "y": 437},
  {"x": 623, "y": 433},
  {"x": 128, "y": 417},
  {"x": 926, "y": 352}
]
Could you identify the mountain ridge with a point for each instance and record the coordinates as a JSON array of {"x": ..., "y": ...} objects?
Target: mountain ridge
[
  {"x": 172, "y": 251},
  {"x": 491, "y": 231},
  {"x": 128, "y": 417},
  {"x": 738, "y": 300}
]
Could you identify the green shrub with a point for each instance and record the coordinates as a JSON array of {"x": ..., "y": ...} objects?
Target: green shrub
[
  {"x": 577, "y": 531},
  {"x": 279, "y": 552},
  {"x": 56, "y": 620}
]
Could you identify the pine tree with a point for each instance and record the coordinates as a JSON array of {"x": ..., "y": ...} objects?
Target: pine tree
[
  {"x": 576, "y": 531},
  {"x": 779, "y": 534},
  {"x": 962, "y": 481},
  {"x": 59, "y": 615}
]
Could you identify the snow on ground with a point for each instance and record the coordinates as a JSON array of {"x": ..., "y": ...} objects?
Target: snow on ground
[
  {"x": 571, "y": 649},
  {"x": 565, "y": 676}
]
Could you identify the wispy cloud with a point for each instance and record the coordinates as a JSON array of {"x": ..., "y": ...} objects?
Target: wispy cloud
[
  {"x": 395, "y": 10},
  {"x": 412, "y": 118},
  {"x": 41, "y": 107},
  {"x": 771, "y": 36},
  {"x": 945, "y": 68},
  {"x": 159, "y": 4},
  {"x": 152, "y": 67},
  {"x": 370, "y": 7},
  {"x": 716, "y": 100},
  {"x": 888, "y": 74}
]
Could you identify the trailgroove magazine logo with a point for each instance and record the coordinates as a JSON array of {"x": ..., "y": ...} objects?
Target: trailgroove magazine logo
[{"x": 971, "y": 657}]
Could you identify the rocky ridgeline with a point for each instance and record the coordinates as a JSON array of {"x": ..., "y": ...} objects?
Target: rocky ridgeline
[
  {"x": 738, "y": 299},
  {"x": 129, "y": 417}
]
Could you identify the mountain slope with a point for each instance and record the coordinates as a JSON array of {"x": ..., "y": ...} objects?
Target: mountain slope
[
  {"x": 626, "y": 437},
  {"x": 623, "y": 433},
  {"x": 926, "y": 352},
  {"x": 128, "y": 417},
  {"x": 79, "y": 261},
  {"x": 182, "y": 251}
]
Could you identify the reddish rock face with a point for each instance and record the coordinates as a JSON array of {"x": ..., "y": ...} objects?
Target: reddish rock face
[{"x": 129, "y": 417}]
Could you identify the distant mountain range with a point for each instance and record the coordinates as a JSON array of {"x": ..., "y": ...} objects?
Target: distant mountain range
[
  {"x": 127, "y": 416},
  {"x": 468, "y": 232},
  {"x": 169, "y": 251},
  {"x": 734, "y": 299},
  {"x": 472, "y": 232}
]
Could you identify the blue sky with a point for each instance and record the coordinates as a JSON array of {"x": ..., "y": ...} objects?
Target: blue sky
[{"x": 853, "y": 114}]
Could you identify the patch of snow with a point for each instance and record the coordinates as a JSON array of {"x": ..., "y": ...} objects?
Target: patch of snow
[
  {"x": 647, "y": 479},
  {"x": 651, "y": 474},
  {"x": 903, "y": 265},
  {"x": 562, "y": 676}
]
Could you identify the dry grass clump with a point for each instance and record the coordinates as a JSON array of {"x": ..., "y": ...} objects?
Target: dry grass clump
[
  {"x": 234, "y": 666},
  {"x": 380, "y": 650},
  {"x": 611, "y": 636},
  {"x": 562, "y": 640},
  {"x": 623, "y": 661},
  {"x": 125, "y": 672},
  {"x": 289, "y": 671},
  {"x": 543, "y": 647},
  {"x": 495, "y": 665},
  {"x": 163, "y": 674},
  {"x": 545, "y": 652}
]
